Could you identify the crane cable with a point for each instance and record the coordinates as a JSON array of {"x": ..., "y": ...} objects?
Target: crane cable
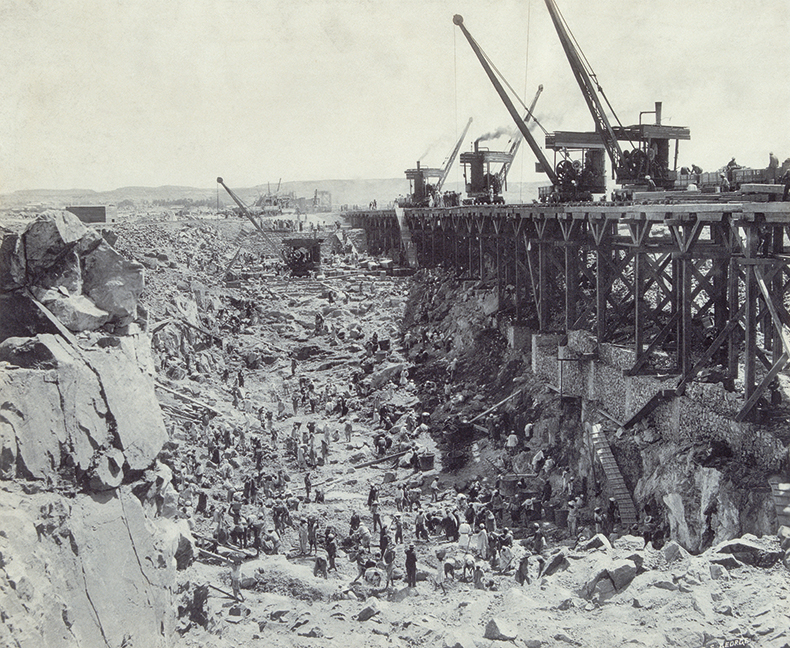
[
  {"x": 526, "y": 70},
  {"x": 512, "y": 91},
  {"x": 455, "y": 89},
  {"x": 591, "y": 73}
]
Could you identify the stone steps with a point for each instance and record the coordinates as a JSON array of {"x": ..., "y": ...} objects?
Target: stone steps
[{"x": 615, "y": 479}]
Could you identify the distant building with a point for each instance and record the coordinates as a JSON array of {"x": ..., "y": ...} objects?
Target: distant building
[{"x": 94, "y": 213}]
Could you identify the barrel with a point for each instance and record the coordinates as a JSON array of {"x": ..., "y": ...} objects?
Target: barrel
[
  {"x": 426, "y": 462},
  {"x": 561, "y": 518}
]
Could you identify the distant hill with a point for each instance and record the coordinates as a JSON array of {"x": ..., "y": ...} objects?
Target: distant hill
[{"x": 344, "y": 192}]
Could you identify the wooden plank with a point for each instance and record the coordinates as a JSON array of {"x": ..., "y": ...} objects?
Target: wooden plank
[{"x": 194, "y": 401}]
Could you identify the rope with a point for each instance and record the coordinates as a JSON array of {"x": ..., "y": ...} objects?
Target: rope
[
  {"x": 510, "y": 87},
  {"x": 526, "y": 70},
  {"x": 455, "y": 89},
  {"x": 591, "y": 73}
]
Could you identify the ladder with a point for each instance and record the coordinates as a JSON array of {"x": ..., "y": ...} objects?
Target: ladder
[
  {"x": 405, "y": 238},
  {"x": 614, "y": 478}
]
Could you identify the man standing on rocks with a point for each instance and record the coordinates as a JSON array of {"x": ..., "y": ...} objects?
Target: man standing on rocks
[
  {"x": 331, "y": 550},
  {"x": 398, "y": 529},
  {"x": 308, "y": 484},
  {"x": 235, "y": 578},
  {"x": 411, "y": 566}
]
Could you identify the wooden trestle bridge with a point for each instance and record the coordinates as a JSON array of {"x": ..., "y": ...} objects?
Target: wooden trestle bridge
[{"x": 693, "y": 288}]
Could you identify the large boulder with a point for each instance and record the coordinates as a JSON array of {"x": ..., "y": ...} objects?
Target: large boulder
[
  {"x": 113, "y": 283},
  {"x": 750, "y": 552},
  {"x": 51, "y": 237},
  {"x": 383, "y": 376},
  {"x": 76, "y": 312},
  {"x": 622, "y": 572}
]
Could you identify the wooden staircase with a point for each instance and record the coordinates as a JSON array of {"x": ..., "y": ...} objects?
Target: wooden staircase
[
  {"x": 405, "y": 238},
  {"x": 615, "y": 479},
  {"x": 781, "y": 495}
]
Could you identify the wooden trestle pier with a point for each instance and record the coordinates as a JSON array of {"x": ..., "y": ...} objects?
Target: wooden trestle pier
[{"x": 691, "y": 287}]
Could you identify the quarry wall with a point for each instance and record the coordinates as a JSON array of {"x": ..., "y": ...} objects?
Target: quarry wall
[{"x": 707, "y": 473}]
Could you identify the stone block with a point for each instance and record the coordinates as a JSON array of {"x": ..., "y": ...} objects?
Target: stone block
[
  {"x": 499, "y": 629},
  {"x": 598, "y": 541},
  {"x": 368, "y": 612},
  {"x": 557, "y": 562},
  {"x": 749, "y": 552},
  {"x": 783, "y": 533},
  {"x": 76, "y": 312},
  {"x": 629, "y": 543},
  {"x": 622, "y": 572},
  {"x": 113, "y": 283},
  {"x": 107, "y": 472},
  {"x": 673, "y": 552},
  {"x": 49, "y": 237},
  {"x": 718, "y": 572}
]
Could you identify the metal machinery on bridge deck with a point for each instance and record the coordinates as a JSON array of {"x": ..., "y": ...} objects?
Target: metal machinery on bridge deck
[{"x": 690, "y": 286}]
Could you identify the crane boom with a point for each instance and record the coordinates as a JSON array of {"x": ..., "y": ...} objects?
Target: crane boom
[
  {"x": 446, "y": 170},
  {"x": 518, "y": 139},
  {"x": 544, "y": 163},
  {"x": 246, "y": 211},
  {"x": 588, "y": 87}
]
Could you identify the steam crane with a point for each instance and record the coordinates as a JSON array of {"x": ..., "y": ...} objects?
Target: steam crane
[
  {"x": 649, "y": 156},
  {"x": 421, "y": 190},
  {"x": 522, "y": 126}
]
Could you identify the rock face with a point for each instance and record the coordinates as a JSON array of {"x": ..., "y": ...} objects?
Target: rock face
[
  {"x": 109, "y": 415},
  {"x": 82, "y": 571}
]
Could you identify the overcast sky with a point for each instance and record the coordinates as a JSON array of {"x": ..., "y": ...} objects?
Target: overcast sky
[{"x": 101, "y": 94}]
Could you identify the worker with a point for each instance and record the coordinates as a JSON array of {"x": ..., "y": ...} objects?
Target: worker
[
  {"x": 308, "y": 484},
  {"x": 724, "y": 184},
  {"x": 522, "y": 572},
  {"x": 374, "y": 511},
  {"x": 320, "y": 567},
  {"x": 419, "y": 525},
  {"x": 651, "y": 185},
  {"x": 348, "y": 429},
  {"x": 411, "y": 566},
  {"x": 235, "y": 578},
  {"x": 512, "y": 443},
  {"x": 398, "y": 529},
  {"x": 478, "y": 576},
  {"x": 388, "y": 557},
  {"x": 435, "y": 489},
  {"x": 331, "y": 550},
  {"x": 572, "y": 519},
  {"x": 304, "y": 538}
]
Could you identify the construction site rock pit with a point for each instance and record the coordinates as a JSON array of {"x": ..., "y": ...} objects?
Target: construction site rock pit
[{"x": 197, "y": 449}]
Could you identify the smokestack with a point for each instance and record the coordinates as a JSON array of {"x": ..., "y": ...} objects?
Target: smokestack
[
  {"x": 658, "y": 113},
  {"x": 476, "y": 146},
  {"x": 418, "y": 165}
]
